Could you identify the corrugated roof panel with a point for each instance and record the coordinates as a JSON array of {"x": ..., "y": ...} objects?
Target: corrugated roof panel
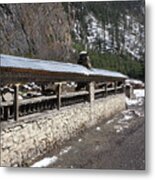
[{"x": 54, "y": 66}]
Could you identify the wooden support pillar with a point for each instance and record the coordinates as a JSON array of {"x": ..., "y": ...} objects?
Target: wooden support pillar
[
  {"x": 91, "y": 92},
  {"x": 59, "y": 96},
  {"x": 6, "y": 113},
  {"x": 123, "y": 87},
  {"x": 106, "y": 90},
  {"x": 16, "y": 102},
  {"x": 115, "y": 87}
]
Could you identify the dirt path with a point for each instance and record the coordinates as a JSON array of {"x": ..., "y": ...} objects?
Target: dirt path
[{"x": 117, "y": 144}]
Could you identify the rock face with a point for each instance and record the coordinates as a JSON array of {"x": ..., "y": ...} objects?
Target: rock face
[{"x": 35, "y": 30}]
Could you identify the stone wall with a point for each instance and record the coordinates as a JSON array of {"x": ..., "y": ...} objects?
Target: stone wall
[{"x": 24, "y": 141}]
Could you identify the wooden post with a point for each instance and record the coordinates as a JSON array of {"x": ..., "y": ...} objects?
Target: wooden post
[
  {"x": 59, "y": 96},
  {"x": 124, "y": 87},
  {"x": 16, "y": 103},
  {"x": 106, "y": 92},
  {"x": 91, "y": 92},
  {"x": 115, "y": 87},
  {"x": 6, "y": 113}
]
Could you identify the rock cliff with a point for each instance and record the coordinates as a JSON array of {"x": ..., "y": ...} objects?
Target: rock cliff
[{"x": 35, "y": 30}]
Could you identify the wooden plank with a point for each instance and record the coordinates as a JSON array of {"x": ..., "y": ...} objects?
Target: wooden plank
[
  {"x": 66, "y": 95},
  {"x": 73, "y": 94},
  {"x": 43, "y": 98}
]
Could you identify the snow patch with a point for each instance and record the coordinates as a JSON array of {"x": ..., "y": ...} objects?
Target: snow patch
[
  {"x": 65, "y": 150},
  {"x": 110, "y": 121},
  {"x": 140, "y": 101},
  {"x": 139, "y": 93},
  {"x": 79, "y": 140},
  {"x": 131, "y": 101},
  {"x": 45, "y": 162},
  {"x": 51, "y": 160},
  {"x": 139, "y": 114},
  {"x": 98, "y": 128},
  {"x": 118, "y": 128},
  {"x": 127, "y": 117}
]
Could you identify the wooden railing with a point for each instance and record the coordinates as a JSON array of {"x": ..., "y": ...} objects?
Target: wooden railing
[{"x": 39, "y": 104}]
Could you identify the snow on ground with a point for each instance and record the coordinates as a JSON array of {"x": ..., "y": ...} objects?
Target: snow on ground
[
  {"x": 110, "y": 121},
  {"x": 122, "y": 123},
  {"x": 140, "y": 114},
  {"x": 139, "y": 93},
  {"x": 131, "y": 101},
  {"x": 98, "y": 128},
  {"x": 51, "y": 160},
  {"x": 138, "y": 101},
  {"x": 45, "y": 162},
  {"x": 118, "y": 128},
  {"x": 79, "y": 140},
  {"x": 65, "y": 150},
  {"x": 127, "y": 117},
  {"x": 129, "y": 114}
]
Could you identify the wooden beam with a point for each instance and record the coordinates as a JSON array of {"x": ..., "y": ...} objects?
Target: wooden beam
[{"x": 22, "y": 75}]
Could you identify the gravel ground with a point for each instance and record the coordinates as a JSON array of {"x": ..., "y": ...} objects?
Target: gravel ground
[{"x": 117, "y": 144}]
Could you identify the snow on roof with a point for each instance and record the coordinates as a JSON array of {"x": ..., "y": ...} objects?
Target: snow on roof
[
  {"x": 134, "y": 81},
  {"x": 37, "y": 64},
  {"x": 107, "y": 73},
  {"x": 9, "y": 61}
]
